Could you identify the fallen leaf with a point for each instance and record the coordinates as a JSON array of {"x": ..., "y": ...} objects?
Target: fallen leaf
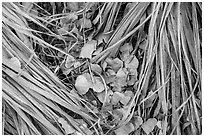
[
  {"x": 116, "y": 97},
  {"x": 85, "y": 23},
  {"x": 137, "y": 121},
  {"x": 82, "y": 84},
  {"x": 125, "y": 100},
  {"x": 98, "y": 85},
  {"x": 96, "y": 68},
  {"x": 127, "y": 47},
  {"x": 98, "y": 50},
  {"x": 104, "y": 37},
  {"x": 132, "y": 64},
  {"x": 159, "y": 124},
  {"x": 125, "y": 129},
  {"x": 69, "y": 18},
  {"x": 70, "y": 60},
  {"x": 149, "y": 125},
  {"x": 132, "y": 79},
  {"x": 101, "y": 96},
  {"x": 128, "y": 93},
  {"x": 125, "y": 55},
  {"x": 115, "y": 64},
  {"x": 87, "y": 49},
  {"x": 77, "y": 64},
  {"x": 15, "y": 61},
  {"x": 68, "y": 129}
]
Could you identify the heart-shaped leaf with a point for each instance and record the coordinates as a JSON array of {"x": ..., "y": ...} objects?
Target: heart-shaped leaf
[
  {"x": 149, "y": 125},
  {"x": 82, "y": 84},
  {"x": 68, "y": 129},
  {"x": 15, "y": 61},
  {"x": 87, "y": 49},
  {"x": 125, "y": 129},
  {"x": 98, "y": 85},
  {"x": 137, "y": 121}
]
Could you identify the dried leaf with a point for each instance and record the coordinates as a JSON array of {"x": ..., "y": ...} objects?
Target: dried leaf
[
  {"x": 101, "y": 96},
  {"x": 127, "y": 47},
  {"x": 116, "y": 63},
  {"x": 96, "y": 68},
  {"x": 149, "y": 125},
  {"x": 98, "y": 50},
  {"x": 116, "y": 97},
  {"x": 125, "y": 129},
  {"x": 68, "y": 129},
  {"x": 132, "y": 64},
  {"x": 129, "y": 93},
  {"x": 103, "y": 37},
  {"x": 71, "y": 17},
  {"x": 137, "y": 121},
  {"x": 82, "y": 84},
  {"x": 159, "y": 124},
  {"x": 85, "y": 23},
  {"x": 87, "y": 49},
  {"x": 125, "y": 100},
  {"x": 98, "y": 85},
  {"x": 69, "y": 61},
  {"x": 15, "y": 61}
]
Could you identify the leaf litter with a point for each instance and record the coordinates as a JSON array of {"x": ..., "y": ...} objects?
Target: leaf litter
[{"x": 112, "y": 83}]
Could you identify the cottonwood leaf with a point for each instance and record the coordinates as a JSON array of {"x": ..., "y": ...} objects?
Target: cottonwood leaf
[
  {"x": 68, "y": 129},
  {"x": 129, "y": 93},
  {"x": 85, "y": 23},
  {"x": 70, "y": 60},
  {"x": 101, "y": 96},
  {"x": 87, "y": 49},
  {"x": 98, "y": 50},
  {"x": 132, "y": 64},
  {"x": 117, "y": 96},
  {"x": 125, "y": 129},
  {"x": 137, "y": 121},
  {"x": 15, "y": 61},
  {"x": 149, "y": 125},
  {"x": 159, "y": 124},
  {"x": 69, "y": 18},
  {"x": 96, "y": 68},
  {"x": 116, "y": 63},
  {"x": 127, "y": 47},
  {"x": 82, "y": 84},
  {"x": 98, "y": 85},
  {"x": 103, "y": 37},
  {"x": 125, "y": 100}
]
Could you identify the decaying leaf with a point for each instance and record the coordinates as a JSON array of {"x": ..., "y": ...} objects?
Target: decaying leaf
[
  {"x": 101, "y": 96},
  {"x": 69, "y": 18},
  {"x": 98, "y": 50},
  {"x": 103, "y": 37},
  {"x": 68, "y": 129},
  {"x": 125, "y": 129},
  {"x": 69, "y": 61},
  {"x": 127, "y": 47},
  {"x": 132, "y": 64},
  {"x": 85, "y": 23},
  {"x": 15, "y": 61},
  {"x": 137, "y": 121},
  {"x": 98, "y": 85},
  {"x": 159, "y": 124},
  {"x": 149, "y": 125},
  {"x": 116, "y": 97},
  {"x": 87, "y": 49},
  {"x": 125, "y": 100},
  {"x": 120, "y": 80},
  {"x": 82, "y": 84},
  {"x": 96, "y": 68},
  {"x": 115, "y": 64}
]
